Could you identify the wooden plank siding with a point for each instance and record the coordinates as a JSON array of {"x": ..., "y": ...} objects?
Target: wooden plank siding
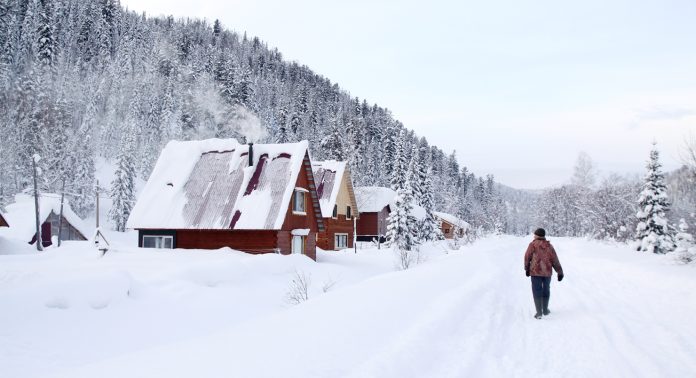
[
  {"x": 370, "y": 225},
  {"x": 340, "y": 225}
]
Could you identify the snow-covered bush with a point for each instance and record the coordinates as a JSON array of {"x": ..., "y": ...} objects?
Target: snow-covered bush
[{"x": 686, "y": 248}]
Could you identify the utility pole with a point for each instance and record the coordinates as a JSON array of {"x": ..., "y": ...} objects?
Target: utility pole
[
  {"x": 39, "y": 241},
  {"x": 355, "y": 235},
  {"x": 96, "y": 192},
  {"x": 60, "y": 216}
]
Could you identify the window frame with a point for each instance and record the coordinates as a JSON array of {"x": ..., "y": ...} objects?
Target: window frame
[
  {"x": 349, "y": 212},
  {"x": 334, "y": 214},
  {"x": 336, "y": 238},
  {"x": 163, "y": 239},
  {"x": 295, "y": 202}
]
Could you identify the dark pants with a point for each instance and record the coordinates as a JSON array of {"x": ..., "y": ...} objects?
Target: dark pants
[{"x": 541, "y": 287}]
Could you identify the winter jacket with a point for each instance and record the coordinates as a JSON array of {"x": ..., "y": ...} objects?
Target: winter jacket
[{"x": 540, "y": 258}]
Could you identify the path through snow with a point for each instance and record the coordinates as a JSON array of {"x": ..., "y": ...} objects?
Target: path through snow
[{"x": 617, "y": 313}]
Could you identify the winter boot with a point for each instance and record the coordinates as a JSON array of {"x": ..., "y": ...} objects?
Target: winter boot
[
  {"x": 545, "y": 305},
  {"x": 537, "y": 304}
]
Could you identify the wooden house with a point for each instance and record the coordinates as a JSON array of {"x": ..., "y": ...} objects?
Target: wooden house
[
  {"x": 451, "y": 226},
  {"x": 338, "y": 204},
  {"x": 21, "y": 216},
  {"x": 218, "y": 193},
  {"x": 3, "y": 222},
  {"x": 374, "y": 207}
]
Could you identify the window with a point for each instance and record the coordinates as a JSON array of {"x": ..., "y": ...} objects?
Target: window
[
  {"x": 158, "y": 241},
  {"x": 334, "y": 215},
  {"x": 348, "y": 213},
  {"x": 298, "y": 203},
  {"x": 298, "y": 244},
  {"x": 447, "y": 230},
  {"x": 340, "y": 241}
]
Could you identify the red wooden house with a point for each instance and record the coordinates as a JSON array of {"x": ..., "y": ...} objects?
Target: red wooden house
[
  {"x": 218, "y": 193},
  {"x": 374, "y": 206},
  {"x": 21, "y": 216},
  {"x": 338, "y": 204}
]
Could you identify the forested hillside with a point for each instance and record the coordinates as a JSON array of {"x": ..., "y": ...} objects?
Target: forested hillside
[{"x": 81, "y": 80}]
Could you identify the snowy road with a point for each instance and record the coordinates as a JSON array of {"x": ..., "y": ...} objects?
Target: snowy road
[
  {"x": 617, "y": 313},
  {"x": 466, "y": 314}
]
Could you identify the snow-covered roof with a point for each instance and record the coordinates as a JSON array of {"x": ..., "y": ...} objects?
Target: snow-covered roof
[
  {"x": 451, "y": 219},
  {"x": 372, "y": 199},
  {"x": 3, "y": 221},
  {"x": 208, "y": 184},
  {"x": 20, "y": 215},
  {"x": 328, "y": 176}
]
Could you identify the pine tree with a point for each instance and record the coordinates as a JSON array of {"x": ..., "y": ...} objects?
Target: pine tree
[
  {"x": 399, "y": 224},
  {"x": 399, "y": 171},
  {"x": 653, "y": 232},
  {"x": 123, "y": 186},
  {"x": 430, "y": 229}
]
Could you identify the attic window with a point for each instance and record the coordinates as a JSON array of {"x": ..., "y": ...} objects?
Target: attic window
[
  {"x": 349, "y": 214},
  {"x": 298, "y": 202},
  {"x": 334, "y": 215}
]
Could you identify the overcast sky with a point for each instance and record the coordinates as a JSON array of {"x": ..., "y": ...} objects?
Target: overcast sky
[{"x": 517, "y": 88}]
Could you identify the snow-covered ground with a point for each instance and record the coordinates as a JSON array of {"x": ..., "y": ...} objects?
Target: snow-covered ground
[{"x": 147, "y": 313}]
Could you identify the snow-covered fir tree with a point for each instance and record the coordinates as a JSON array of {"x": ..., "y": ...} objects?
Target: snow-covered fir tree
[
  {"x": 400, "y": 231},
  {"x": 430, "y": 228},
  {"x": 653, "y": 232},
  {"x": 123, "y": 186}
]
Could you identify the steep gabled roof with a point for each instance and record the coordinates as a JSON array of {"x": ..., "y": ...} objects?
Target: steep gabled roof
[
  {"x": 209, "y": 185},
  {"x": 452, "y": 219},
  {"x": 20, "y": 215},
  {"x": 330, "y": 176}
]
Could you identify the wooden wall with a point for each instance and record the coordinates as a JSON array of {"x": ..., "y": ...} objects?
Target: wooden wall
[
  {"x": 340, "y": 225},
  {"x": 372, "y": 224}
]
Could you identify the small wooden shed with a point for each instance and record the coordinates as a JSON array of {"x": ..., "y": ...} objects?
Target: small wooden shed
[
  {"x": 20, "y": 218},
  {"x": 451, "y": 226}
]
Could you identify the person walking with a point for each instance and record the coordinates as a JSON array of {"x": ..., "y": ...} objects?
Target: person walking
[{"x": 539, "y": 260}]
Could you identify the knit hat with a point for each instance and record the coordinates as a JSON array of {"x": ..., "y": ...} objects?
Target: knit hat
[{"x": 540, "y": 232}]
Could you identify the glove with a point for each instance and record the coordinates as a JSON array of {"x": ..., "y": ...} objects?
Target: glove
[
  {"x": 526, "y": 271},
  {"x": 560, "y": 277}
]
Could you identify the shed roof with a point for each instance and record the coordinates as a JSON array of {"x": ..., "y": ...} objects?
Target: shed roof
[
  {"x": 452, "y": 219},
  {"x": 20, "y": 215},
  {"x": 372, "y": 199},
  {"x": 209, "y": 185}
]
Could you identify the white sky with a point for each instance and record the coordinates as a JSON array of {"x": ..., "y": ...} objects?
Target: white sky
[{"x": 517, "y": 88}]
